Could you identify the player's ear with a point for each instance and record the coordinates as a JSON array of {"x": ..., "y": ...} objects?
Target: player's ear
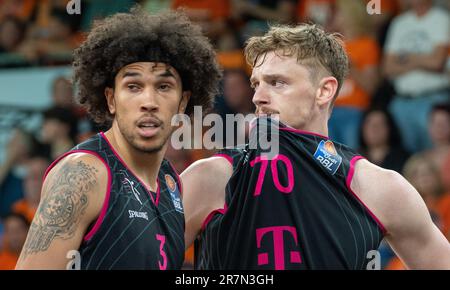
[
  {"x": 109, "y": 94},
  {"x": 185, "y": 96},
  {"x": 326, "y": 90}
]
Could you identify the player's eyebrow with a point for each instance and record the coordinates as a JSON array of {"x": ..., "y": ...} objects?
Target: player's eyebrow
[
  {"x": 272, "y": 76},
  {"x": 167, "y": 74},
  {"x": 131, "y": 74},
  {"x": 267, "y": 76}
]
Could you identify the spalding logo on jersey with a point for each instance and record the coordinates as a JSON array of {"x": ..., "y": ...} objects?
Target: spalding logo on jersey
[
  {"x": 172, "y": 186},
  {"x": 327, "y": 156}
]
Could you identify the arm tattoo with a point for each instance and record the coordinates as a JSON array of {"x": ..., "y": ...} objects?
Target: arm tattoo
[{"x": 61, "y": 208}]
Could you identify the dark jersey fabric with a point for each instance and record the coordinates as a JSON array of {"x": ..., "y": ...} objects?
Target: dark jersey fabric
[
  {"x": 137, "y": 228},
  {"x": 295, "y": 211}
]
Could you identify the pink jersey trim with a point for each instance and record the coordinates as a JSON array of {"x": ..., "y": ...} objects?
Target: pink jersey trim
[
  {"x": 348, "y": 182},
  {"x": 302, "y": 132},
  {"x": 209, "y": 217},
  {"x": 227, "y": 157},
  {"x": 155, "y": 202},
  {"x": 105, "y": 205}
]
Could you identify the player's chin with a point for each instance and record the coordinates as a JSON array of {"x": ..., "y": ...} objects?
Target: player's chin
[
  {"x": 146, "y": 147},
  {"x": 152, "y": 144}
]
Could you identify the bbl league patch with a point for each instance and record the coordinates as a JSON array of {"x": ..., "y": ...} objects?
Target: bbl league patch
[
  {"x": 327, "y": 156},
  {"x": 172, "y": 186}
]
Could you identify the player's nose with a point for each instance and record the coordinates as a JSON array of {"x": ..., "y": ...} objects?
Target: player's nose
[
  {"x": 149, "y": 101},
  {"x": 261, "y": 96}
]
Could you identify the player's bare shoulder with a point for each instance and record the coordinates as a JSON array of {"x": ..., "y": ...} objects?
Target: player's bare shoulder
[
  {"x": 205, "y": 180},
  {"x": 385, "y": 192},
  {"x": 204, "y": 184},
  {"x": 80, "y": 177},
  {"x": 71, "y": 198},
  {"x": 207, "y": 174}
]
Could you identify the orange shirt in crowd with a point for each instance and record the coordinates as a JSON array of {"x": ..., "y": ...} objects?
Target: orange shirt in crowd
[
  {"x": 443, "y": 209},
  {"x": 363, "y": 52},
  {"x": 308, "y": 9},
  {"x": 22, "y": 207},
  {"x": 20, "y": 9},
  {"x": 218, "y": 9},
  {"x": 8, "y": 260},
  {"x": 233, "y": 60}
]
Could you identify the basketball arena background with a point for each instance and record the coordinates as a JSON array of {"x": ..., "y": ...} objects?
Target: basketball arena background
[{"x": 400, "y": 121}]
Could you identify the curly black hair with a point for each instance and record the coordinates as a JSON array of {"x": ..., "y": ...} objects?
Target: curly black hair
[{"x": 137, "y": 36}]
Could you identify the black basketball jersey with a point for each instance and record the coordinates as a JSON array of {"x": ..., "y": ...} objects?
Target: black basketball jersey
[
  {"x": 136, "y": 228},
  {"x": 295, "y": 211}
]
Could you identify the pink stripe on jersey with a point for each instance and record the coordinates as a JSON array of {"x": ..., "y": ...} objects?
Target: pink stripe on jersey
[
  {"x": 155, "y": 202},
  {"x": 303, "y": 132},
  {"x": 105, "y": 205},
  {"x": 211, "y": 215},
  {"x": 227, "y": 157},
  {"x": 349, "y": 178}
]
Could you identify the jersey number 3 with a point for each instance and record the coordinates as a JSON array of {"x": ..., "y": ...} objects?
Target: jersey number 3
[{"x": 162, "y": 241}]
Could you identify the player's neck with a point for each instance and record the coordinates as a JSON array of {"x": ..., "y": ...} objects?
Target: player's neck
[
  {"x": 144, "y": 165},
  {"x": 317, "y": 126}
]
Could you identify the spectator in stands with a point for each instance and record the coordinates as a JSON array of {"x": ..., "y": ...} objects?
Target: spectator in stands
[
  {"x": 12, "y": 32},
  {"x": 36, "y": 167},
  {"x": 49, "y": 37},
  {"x": 15, "y": 232},
  {"x": 12, "y": 170},
  {"x": 380, "y": 142},
  {"x": 416, "y": 52},
  {"x": 381, "y": 21},
  {"x": 21, "y": 9},
  {"x": 211, "y": 15},
  {"x": 59, "y": 129},
  {"x": 316, "y": 11},
  {"x": 62, "y": 93},
  {"x": 364, "y": 56},
  {"x": 236, "y": 99},
  {"x": 237, "y": 92},
  {"x": 257, "y": 13},
  {"x": 62, "y": 96},
  {"x": 439, "y": 132},
  {"x": 426, "y": 178}
]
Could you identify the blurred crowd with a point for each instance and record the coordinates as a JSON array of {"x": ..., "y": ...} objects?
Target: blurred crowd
[{"x": 394, "y": 107}]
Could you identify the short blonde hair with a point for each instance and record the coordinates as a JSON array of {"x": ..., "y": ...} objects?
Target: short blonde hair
[{"x": 314, "y": 48}]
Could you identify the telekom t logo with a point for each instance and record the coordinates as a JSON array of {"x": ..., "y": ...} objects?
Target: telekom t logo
[{"x": 278, "y": 246}]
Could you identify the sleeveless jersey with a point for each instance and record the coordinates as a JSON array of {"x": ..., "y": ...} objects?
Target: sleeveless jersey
[
  {"x": 294, "y": 211},
  {"x": 136, "y": 228}
]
